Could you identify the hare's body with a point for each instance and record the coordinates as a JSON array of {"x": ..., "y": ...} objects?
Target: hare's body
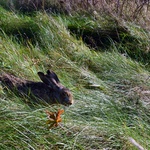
[{"x": 49, "y": 91}]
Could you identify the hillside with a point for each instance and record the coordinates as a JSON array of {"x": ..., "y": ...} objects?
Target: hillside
[{"x": 106, "y": 65}]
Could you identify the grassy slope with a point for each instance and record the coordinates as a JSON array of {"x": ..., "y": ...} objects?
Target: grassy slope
[{"x": 102, "y": 117}]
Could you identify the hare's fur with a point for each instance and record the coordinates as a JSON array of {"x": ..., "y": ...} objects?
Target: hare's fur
[{"x": 50, "y": 90}]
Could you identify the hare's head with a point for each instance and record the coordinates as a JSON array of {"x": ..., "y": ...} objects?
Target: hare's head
[{"x": 59, "y": 93}]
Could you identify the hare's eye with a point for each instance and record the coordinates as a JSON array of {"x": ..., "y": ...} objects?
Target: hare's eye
[{"x": 65, "y": 94}]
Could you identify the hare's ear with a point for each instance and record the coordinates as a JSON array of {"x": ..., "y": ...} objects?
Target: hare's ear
[
  {"x": 43, "y": 77},
  {"x": 48, "y": 81},
  {"x": 53, "y": 75}
]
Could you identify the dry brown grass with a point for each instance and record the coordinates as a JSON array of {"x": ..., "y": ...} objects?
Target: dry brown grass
[{"x": 129, "y": 10}]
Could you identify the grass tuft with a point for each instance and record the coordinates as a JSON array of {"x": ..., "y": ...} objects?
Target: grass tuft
[{"x": 110, "y": 85}]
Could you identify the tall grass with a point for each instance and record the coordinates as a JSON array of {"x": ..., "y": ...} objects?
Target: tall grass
[{"x": 107, "y": 110}]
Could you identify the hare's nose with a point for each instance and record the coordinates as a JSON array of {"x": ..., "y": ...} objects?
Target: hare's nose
[{"x": 71, "y": 102}]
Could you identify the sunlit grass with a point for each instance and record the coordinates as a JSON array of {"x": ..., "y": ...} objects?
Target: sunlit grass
[{"x": 103, "y": 116}]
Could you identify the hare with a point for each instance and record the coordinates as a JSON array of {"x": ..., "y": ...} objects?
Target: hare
[{"x": 50, "y": 90}]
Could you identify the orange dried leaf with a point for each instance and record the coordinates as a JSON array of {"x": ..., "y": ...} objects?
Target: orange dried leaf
[{"x": 54, "y": 118}]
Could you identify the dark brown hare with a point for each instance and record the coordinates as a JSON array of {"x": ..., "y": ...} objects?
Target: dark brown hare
[{"x": 50, "y": 90}]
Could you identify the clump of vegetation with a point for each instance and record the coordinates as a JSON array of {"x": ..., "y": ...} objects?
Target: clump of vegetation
[
  {"x": 110, "y": 84},
  {"x": 101, "y": 36}
]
